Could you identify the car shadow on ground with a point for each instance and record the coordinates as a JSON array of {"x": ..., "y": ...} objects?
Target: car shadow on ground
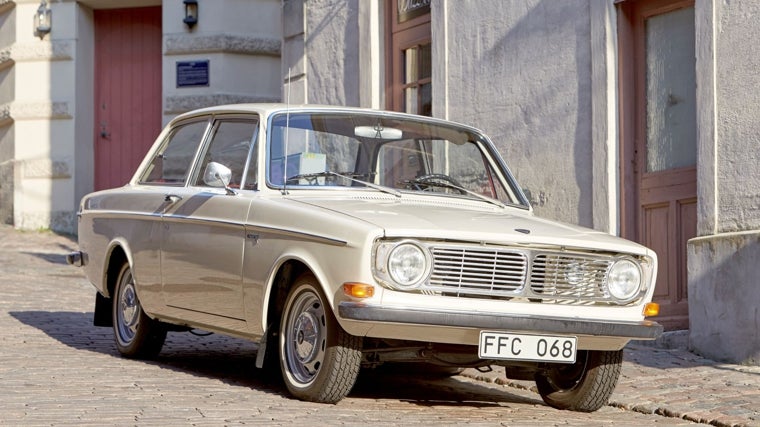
[
  {"x": 52, "y": 258},
  {"x": 232, "y": 360},
  {"x": 423, "y": 390}
]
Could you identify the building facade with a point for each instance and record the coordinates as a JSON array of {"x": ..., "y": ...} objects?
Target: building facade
[
  {"x": 635, "y": 117},
  {"x": 84, "y": 99}
]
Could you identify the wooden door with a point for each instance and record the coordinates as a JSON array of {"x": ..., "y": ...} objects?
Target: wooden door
[
  {"x": 408, "y": 57},
  {"x": 127, "y": 91},
  {"x": 658, "y": 136}
]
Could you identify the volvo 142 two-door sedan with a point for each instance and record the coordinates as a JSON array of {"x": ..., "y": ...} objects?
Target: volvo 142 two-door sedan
[{"x": 341, "y": 239}]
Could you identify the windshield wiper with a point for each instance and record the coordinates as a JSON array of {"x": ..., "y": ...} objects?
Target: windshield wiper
[
  {"x": 445, "y": 184},
  {"x": 351, "y": 176}
]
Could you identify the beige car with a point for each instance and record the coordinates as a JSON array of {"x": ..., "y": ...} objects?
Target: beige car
[{"x": 340, "y": 239}]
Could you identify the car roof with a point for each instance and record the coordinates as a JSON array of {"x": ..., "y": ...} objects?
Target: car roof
[{"x": 265, "y": 109}]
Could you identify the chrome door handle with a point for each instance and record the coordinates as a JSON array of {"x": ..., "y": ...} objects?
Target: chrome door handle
[{"x": 172, "y": 198}]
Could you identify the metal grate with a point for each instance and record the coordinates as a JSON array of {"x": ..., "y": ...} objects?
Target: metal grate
[
  {"x": 567, "y": 276},
  {"x": 467, "y": 271},
  {"x": 477, "y": 271}
]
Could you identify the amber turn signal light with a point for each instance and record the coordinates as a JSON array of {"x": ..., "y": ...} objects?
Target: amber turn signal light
[
  {"x": 652, "y": 309},
  {"x": 358, "y": 290}
]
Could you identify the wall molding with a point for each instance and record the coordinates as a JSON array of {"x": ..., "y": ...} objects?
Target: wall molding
[
  {"x": 44, "y": 169},
  {"x": 221, "y": 43},
  {"x": 56, "y": 50},
  {"x": 182, "y": 103},
  {"x": 40, "y": 110}
]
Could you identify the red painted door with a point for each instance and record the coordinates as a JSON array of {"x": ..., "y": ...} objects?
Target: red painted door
[{"x": 127, "y": 91}]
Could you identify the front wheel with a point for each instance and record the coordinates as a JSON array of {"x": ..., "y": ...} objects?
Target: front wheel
[
  {"x": 319, "y": 360},
  {"x": 584, "y": 386},
  {"x": 137, "y": 335}
]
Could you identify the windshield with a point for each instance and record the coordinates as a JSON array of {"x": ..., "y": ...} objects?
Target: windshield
[{"x": 399, "y": 155}]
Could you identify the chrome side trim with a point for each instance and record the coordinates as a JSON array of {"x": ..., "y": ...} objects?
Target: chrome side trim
[
  {"x": 270, "y": 230},
  {"x": 193, "y": 220},
  {"x": 299, "y": 235},
  {"x": 120, "y": 214},
  {"x": 643, "y": 330}
]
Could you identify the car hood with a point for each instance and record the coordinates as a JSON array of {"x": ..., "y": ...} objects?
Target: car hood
[{"x": 448, "y": 218}]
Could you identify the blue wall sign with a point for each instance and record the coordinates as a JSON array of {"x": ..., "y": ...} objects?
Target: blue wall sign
[{"x": 192, "y": 73}]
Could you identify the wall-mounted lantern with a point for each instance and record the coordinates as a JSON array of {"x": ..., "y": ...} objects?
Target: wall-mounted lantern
[
  {"x": 43, "y": 20},
  {"x": 191, "y": 13}
]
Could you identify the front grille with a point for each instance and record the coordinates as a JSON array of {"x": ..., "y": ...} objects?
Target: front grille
[
  {"x": 569, "y": 277},
  {"x": 476, "y": 271},
  {"x": 467, "y": 271}
]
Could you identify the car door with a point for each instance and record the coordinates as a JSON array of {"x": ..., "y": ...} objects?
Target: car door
[
  {"x": 165, "y": 173},
  {"x": 204, "y": 232}
]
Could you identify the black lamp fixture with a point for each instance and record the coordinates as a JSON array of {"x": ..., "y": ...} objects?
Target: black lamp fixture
[
  {"x": 43, "y": 20},
  {"x": 191, "y": 13}
]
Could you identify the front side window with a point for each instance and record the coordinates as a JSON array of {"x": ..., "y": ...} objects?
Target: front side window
[
  {"x": 230, "y": 145},
  {"x": 308, "y": 150},
  {"x": 172, "y": 163}
]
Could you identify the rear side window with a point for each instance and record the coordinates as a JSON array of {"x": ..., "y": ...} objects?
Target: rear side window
[{"x": 173, "y": 161}]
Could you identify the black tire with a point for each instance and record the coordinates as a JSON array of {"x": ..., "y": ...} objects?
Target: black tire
[
  {"x": 318, "y": 359},
  {"x": 137, "y": 335},
  {"x": 584, "y": 386}
]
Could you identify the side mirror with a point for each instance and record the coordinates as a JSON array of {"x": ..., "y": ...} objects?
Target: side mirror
[{"x": 218, "y": 175}]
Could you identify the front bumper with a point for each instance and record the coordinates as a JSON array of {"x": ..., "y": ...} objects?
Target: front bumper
[{"x": 642, "y": 330}]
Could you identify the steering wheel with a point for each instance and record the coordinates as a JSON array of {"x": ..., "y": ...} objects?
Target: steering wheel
[
  {"x": 439, "y": 176},
  {"x": 420, "y": 182}
]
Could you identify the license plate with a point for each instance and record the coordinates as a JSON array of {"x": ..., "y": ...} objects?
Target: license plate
[{"x": 536, "y": 348}]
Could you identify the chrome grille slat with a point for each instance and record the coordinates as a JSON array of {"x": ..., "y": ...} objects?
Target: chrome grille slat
[
  {"x": 503, "y": 272},
  {"x": 564, "y": 275},
  {"x": 476, "y": 271}
]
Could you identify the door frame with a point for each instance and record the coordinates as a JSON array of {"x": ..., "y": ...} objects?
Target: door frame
[
  {"x": 632, "y": 115},
  {"x": 634, "y": 185},
  {"x": 400, "y": 36}
]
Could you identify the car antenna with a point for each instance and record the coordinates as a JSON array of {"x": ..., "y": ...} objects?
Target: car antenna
[{"x": 287, "y": 128}]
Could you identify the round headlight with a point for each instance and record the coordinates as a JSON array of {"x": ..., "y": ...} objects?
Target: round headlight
[
  {"x": 624, "y": 280},
  {"x": 407, "y": 264}
]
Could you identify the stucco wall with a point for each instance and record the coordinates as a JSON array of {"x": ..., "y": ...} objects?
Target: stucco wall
[
  {"x": 332, "y": 52},
  {"x": 7, "y": 89},
  {"x": 521, "y": 71},
  {"x": 738, "y": 128},
  {"x": 723, "y": 272},
  {"x": 724, "y": 290},
  {"x": 241, "y": 39},
  {"x": 43, "y": 110}
]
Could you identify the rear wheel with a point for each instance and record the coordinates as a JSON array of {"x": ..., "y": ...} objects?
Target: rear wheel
[
  {"x": 319, "y": 360},
  {"x": 137, "y": 335},
  {"x": 584, "y": 386}
]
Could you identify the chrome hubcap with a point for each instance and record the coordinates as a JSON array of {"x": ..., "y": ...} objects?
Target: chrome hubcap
[
  {"x": 128, "y": 310},
  {"x": 305, "y": 337}
]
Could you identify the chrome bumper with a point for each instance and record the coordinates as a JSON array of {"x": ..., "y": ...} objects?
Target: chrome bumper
[{"x": 643, "y": 330}]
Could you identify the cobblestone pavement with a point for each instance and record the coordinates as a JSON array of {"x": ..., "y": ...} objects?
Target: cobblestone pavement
[{"x": 57, "y": 369}]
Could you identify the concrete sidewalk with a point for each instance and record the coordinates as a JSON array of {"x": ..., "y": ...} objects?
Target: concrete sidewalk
[{"x": 670, "y": 382}]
